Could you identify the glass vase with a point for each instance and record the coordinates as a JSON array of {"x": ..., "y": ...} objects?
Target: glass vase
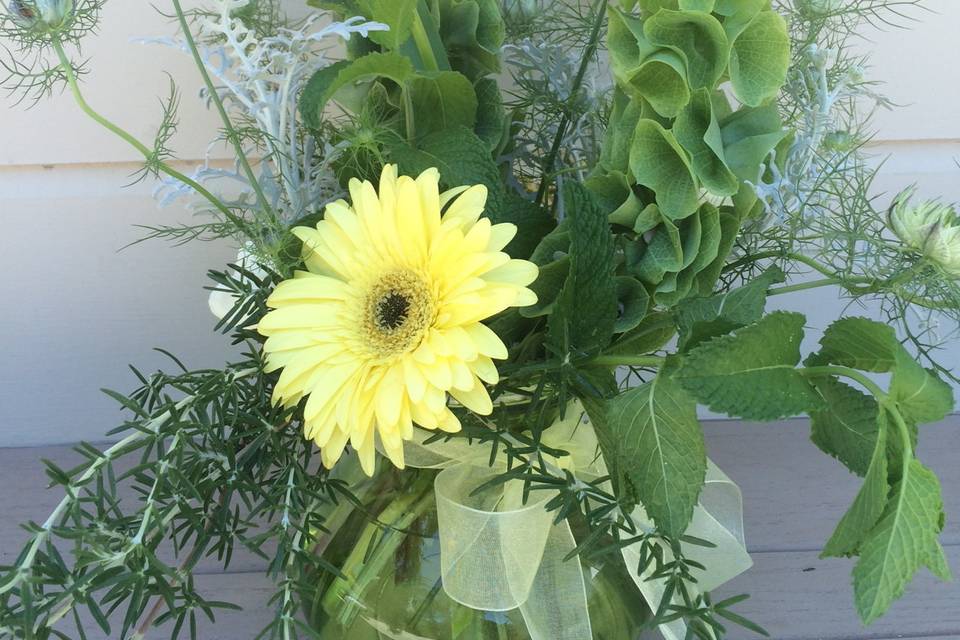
[{"x": 387, "y": 552}]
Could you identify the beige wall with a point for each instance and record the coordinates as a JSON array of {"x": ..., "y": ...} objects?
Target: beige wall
[{"x": 75, "y": 311}]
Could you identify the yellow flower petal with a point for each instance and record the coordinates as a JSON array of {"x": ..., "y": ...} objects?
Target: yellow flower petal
[
  {"x": 385, "y": 325},
  {"x": 476, "y": 398},
  {"x": 488, "y": 343}
]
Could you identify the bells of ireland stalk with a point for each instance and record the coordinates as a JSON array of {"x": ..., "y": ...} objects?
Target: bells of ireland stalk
[
  {"x": 929, "y": 228},
  {"x": 41, "y": 14},
  {"x": 521, "y": 10}
]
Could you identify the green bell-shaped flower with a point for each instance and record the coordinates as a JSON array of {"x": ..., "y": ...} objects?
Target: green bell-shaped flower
[
  {"x": 929, "y": 228},
  {"x": 41, "y": 14}
]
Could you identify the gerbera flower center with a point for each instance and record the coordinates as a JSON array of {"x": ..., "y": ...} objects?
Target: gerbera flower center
[
  {"x": 397, "y": 312},
  {"x": 392, "y": 311}
]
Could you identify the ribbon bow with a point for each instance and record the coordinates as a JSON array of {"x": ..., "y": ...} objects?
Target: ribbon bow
[{"x": 498, "y": 553}]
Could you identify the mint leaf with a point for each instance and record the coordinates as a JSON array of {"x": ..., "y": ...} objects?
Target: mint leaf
[
  {"x": 699, "y": 319},
  {"x": 867, "y": 507},
  {"x": 751, "y": 374},
  {"x": 586, "y": 310},
  {"x": 533, "y": 222},
  {"x": 462, "y": 159},
  {"x": 846, "y": 426},
  {"x": 860, "y": 343},
  {"x": 904, "y": 540},
  {"x": 920, "y": 394},
  {"x": 657, "y": 444}
]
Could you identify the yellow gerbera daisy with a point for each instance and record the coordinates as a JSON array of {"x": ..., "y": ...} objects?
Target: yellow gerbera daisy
[{"x": 388, "y": 318}]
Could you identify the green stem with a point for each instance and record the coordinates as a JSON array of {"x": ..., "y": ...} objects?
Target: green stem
[
  {"x": 785, "y": 255},
  {"x": 847, "y": 372},
  {"x": 903, "y": 430},
  {"x": 408, "y": 115},
  {"x": 363, "y": 566},
  {"x": 588, "y": 53},
  {"x": 143, "y": 149},
  {"x": 422, "y": 40},
  {"x": 803, "y": 286},
  {"x": 232, "y": 134},
  {"x": 628, "y": 361}
]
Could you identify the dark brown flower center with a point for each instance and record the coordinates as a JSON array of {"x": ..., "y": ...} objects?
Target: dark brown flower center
[{"x": 392, "y": 310}]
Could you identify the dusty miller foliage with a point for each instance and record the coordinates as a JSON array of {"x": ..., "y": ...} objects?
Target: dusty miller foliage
[{"x": 219, "y": 473}]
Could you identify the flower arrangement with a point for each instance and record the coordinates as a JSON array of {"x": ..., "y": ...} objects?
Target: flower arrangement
[{"x": 492, "y": 258}]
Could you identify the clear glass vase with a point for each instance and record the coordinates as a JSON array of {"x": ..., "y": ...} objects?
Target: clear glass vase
[{"x": 388, "y": 554}]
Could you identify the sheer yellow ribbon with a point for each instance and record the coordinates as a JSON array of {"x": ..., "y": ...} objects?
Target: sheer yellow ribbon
[{"x": 499, "y": 554}]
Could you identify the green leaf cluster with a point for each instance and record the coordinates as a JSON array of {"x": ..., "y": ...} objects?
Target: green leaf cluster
[
  {"x": 429, "y": 74},
  {"x": 676, "y": 141},
  {"x": 895, "y": 519},
  {"x": 897, "y": 516}
]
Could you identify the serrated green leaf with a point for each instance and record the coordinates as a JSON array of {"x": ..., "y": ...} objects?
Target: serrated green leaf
[
  {"x": 586, "y": 310},
  {"x": 867, "y": 507},
  {"x": 697, "y": 131},
  {"x": 904, "y": 540},
  {"x": 659, "y": 162},
  {"x": 920, "y": 394},
  {"x": 440, "y": 101},
  {"x": 760, "y": 58},
  {"x": 462, "y": 159},
  {"x": 652, "y": 334},
  {"x": 939, "y": 565},
  {"x": 860, "y": 343},
  {"x": 533, "y": 222},
  {"x": 699, "y": 319},
  {"x": 846, "y": 427},
  {"x": 752, "y": 373},
  {"x": 656, "y": 440},
  {"x": 325, "y": 83},
  {"x": 698, "y": 37},
  {"x": 868, "y": 345}
]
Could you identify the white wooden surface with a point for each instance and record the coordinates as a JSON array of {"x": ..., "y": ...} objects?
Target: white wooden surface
[{"x": 793, "y": 497}]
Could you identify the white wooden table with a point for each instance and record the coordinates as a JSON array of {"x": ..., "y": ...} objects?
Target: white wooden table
[{"x": 793, "y": 497}]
